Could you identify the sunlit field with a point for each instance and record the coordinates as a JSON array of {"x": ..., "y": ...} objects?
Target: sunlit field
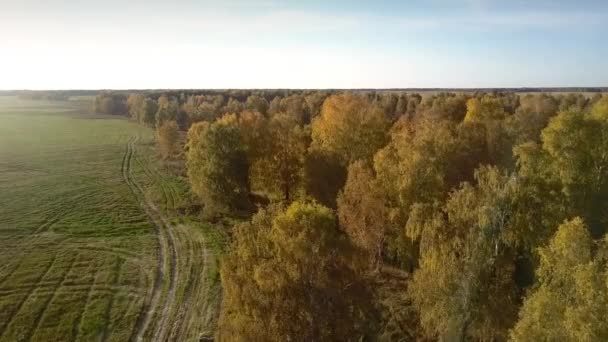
[
  {"x": 78, "y": 245},
  {"x": 77, "y": 249}
]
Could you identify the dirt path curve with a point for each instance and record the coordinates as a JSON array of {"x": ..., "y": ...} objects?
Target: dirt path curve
[
  {"x": 178, "y": 300},
  {"x": 156, "y": 305}
]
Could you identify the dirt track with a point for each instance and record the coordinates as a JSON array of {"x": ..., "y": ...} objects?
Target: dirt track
[{"x": 177, "y": 306}]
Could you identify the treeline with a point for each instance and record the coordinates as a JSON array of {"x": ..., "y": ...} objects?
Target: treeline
[
  {"x": 153, "y": 108},
  {"x": 44, "y": 95},
  {"x": 494, "y": 204}
]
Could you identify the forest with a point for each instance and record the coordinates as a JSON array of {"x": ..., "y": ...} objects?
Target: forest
[{"x": 391, "y": 215}]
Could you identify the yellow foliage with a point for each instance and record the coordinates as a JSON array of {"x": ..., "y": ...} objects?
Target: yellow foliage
[
  {"x": 351, "y": 127},
  {"x": 571, "y": 301}
]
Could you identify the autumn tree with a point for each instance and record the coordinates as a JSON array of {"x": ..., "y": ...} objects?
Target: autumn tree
[
  {"x": 254, "y": 132},
  {"x": 362, "y": 212},
  {"x": 531, "y": 117},
  {"x": 464, "y": 288},
  {"x": 218, "y": 168},
  {"x": 572, "y": 102},
  {"x": 351, "y": 127},
  {"x": 168, "y": 139},
  {"x": 573, "y": 158},
  {"x": 413, "y": 104},
  {"x": 291, "y": 275},
  {"x": 257, "y": 104},
  {"x": 279, "y": 168},
  {"x": 314, "y": 102},
  {"x": 401, "y": 105},
  {"x": 570, "y": 302},
  {"x": 387, "y": 104},
  {"x": 423, "y": 161},
  {"x": 233, "y": 106},
  {"x": 147, "y": 112},
  {"x": 110, "y": 103},
  {"x": 444, "y": 106},
  {"x": 168, "y": 109},
  {"x": 274, "y": 106},
  {"x": 488, "y": 113},
  {"x": 324, "y": 176},
  {"x": 134, "y": 104},
  {"x": 296, "y": 107}
]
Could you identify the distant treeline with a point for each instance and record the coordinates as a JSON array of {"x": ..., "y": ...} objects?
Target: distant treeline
[
  {"x": 283, "y": 92},
  {"x": 48, "y": 94},
  {"x": 44, "y": 95},
  {"x": 187, "y": 107}
]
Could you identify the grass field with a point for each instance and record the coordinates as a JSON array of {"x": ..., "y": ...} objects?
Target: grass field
[{"x": 90, "y": 251}]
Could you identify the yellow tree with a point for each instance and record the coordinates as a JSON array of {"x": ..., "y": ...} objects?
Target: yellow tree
[
  {"x": 464, "y": 287},
  {"x": 324, "y": 176},
  {"x": 134, "y": 105},
  {"x": 488, "y": 114},
  {"x": 351, "y": 127},
  {"x": 291, "y": 276},
  {"x": 570, "y": 302},
  {"x": 168, "y": 110},
  {"x": 362, "y": 212},
  {"x": 257, "y": 104},
  {"x": 421, "y": 164},
  {"x": 573, "y": 159},
  {"x": 168, "y": 139},
  {"x": 279, "y": 168}
]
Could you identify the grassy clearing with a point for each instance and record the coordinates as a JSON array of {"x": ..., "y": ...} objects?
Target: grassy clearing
[
  {"x": 76, "y": 247},
  {"x": 77, "y": 232}
]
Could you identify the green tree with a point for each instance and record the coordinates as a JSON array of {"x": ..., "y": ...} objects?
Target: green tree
[{"x": 218, "y": 168}]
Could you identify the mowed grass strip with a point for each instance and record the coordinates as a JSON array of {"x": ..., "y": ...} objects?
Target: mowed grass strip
[{"x": 78, "y": 252}]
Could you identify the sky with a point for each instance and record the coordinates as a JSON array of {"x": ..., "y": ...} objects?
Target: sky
[{"x": 111, "y": 44}]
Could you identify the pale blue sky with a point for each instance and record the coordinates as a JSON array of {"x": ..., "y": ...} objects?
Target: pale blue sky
[{"x": 302, "y": 44}]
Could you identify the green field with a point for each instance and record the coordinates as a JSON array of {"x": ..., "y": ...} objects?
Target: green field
[{"x": 90, "y": 244}]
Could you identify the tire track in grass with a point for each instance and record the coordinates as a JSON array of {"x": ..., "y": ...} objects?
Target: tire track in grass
[
  {"x": 195, "y": 293},
  {"x": 49, "y": 301},
  {"x": 165, "y": 186},
  {"x": 29, "y": 293},
  {"x": 163, "y": 321},
  {"x": 167, "y": 258},
  {"x": 172, "y": 311},
  {"x": 107, "y": 319},
  {"x": 77, "y": 327}
]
